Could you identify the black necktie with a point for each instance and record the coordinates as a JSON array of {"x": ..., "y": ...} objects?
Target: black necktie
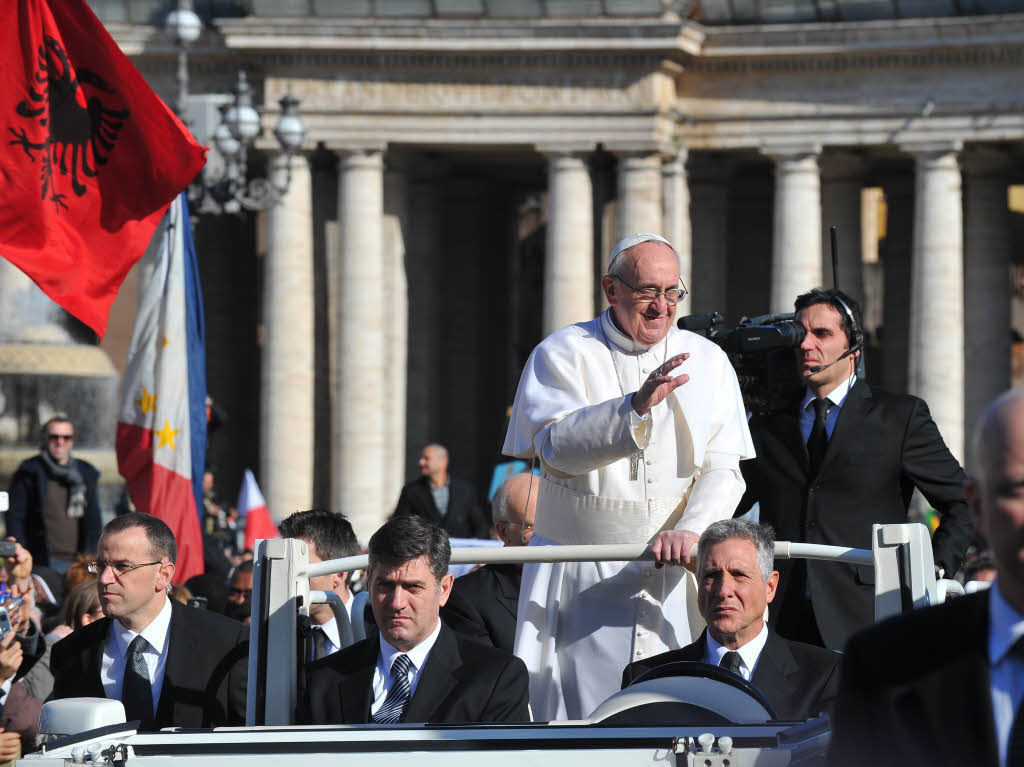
[
  {"x": 818, "y": 441},
  {"x": 732, "y": 661},
  {"x": 136, "y": 692},
  {"x": 319, "y": 643},
  {"x": 398, "y": 695}
]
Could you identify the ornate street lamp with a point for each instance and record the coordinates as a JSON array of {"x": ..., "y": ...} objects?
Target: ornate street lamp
[{"x": 231, "y": 191}]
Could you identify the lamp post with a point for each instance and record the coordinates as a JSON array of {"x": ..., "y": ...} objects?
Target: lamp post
[{"x": 231, "y": 190}]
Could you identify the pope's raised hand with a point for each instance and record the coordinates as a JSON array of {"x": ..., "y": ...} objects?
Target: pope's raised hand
[{"x": 659, "y": 384}]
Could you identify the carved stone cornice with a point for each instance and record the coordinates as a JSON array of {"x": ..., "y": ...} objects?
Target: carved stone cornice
[{"x": 462, "y": 35}]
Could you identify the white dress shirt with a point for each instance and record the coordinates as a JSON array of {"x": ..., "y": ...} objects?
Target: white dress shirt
[
  {"x": 115, "y": 651},
  {"x": 331, "y": 629},
  {"x": 1005, "y": 626},
  {"x": 382, "y": 679},
  {"x": 837, "y": 397},
  {"x": 749, "y": 653}
]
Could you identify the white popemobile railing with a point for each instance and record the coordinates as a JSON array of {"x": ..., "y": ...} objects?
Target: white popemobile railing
[{"x": 900, "y": 554}]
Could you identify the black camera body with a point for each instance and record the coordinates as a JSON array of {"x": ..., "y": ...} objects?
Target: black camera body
[{"x": 761, "y": 351}]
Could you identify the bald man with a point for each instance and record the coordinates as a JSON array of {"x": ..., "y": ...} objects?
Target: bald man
[
  {"x": 943, "y": 685},
  {"x": 482, "y": 604}
]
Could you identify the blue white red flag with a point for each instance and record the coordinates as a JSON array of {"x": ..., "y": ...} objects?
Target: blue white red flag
[
  {"x": 253, "y": 510},
  {"x": 161, "y": 431}
]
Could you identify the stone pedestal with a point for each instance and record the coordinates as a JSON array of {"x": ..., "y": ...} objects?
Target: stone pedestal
[
  {"x": 987, "y": 295},
  {"x": 639, "y": 204},
  {"x": 796, "y": 240},
  {"x": 675, "y": 214},
  {"x": 569, "y": 246},
  {"x": 936, "y": 371},
  {"x": 364, "y": 390},
  {"x": 287, "y": 377}
]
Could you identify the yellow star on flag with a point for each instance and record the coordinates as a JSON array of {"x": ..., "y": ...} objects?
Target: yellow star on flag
[
  {"x": 166, "y": 435},
  {"x": 147, "y": 403},
  {"x": 165, "y": 341}
]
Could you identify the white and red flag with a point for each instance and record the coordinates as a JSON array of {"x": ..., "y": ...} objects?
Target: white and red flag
[
  {"x": 161, "y": 431},
  {"x": 253, "y": 509}
]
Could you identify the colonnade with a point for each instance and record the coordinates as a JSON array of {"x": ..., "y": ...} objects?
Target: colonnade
[{"x": 654, "y": 194}]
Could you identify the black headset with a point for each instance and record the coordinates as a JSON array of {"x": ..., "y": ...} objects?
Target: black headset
[{"x": 858, "y": 336}]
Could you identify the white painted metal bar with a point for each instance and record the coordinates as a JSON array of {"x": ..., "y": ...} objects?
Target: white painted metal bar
[{"x": 618, "y": 552}]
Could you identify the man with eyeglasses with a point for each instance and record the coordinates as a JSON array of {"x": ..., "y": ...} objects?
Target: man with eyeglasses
[
  {"x": 482, "y": 604},
  {"x": 170, "y": 665},
  {"x": 639, "y": 429},
  {"x": 54, "y": 503}
]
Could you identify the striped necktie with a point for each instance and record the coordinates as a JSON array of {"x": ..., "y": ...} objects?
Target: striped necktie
[
  {"x": 398, "y": 695},
  {"x": 136, "y": 691}
]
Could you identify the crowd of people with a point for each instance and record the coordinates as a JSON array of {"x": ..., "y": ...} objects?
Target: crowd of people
[{"x": 639, "y": 434}]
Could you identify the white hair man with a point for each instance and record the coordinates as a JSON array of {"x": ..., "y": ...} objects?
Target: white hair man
[{"x": 631, "y": 450}]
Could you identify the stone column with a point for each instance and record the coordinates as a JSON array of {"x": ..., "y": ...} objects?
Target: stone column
[
  {"x": 987, "y": 294},
  {"x": 936, "y": 370},
  {"x": 841, "y": 183},
  {"x": 675, "y": 216},
  {"x": 796, "y": 239},
  {"x": 287, "y": 374},
  {"x": 709, "y": 180},
  {"x": 396, "y": 300},
  {"x": 364, "y": 390},
  {"x": 569, "y": 245},
  {"x": 639, "y": 203}
]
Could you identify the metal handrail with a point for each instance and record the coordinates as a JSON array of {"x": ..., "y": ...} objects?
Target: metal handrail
[{"x": 616, "y": 552}]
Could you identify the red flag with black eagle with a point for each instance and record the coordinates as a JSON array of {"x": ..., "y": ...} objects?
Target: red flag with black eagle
[{"x": 91, "y": 158}]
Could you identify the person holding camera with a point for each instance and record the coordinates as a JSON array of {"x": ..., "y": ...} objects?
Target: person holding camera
[
  {"x": 845, "y": 456},
  {"x": 54, "y": 501}
]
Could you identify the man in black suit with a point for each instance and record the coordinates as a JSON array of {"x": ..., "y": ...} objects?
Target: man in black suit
[
  {"x": 416, "y": 669},
  {"x": 943, "y": 685},
  {"x": 169, "y": 664},
  {"x": 735, "y": 582},
  {"x": 448, "y": 501},
  {"x": 483, "y": 603},
  {"x": 328, "y": 535},
  {"x": 846, "y": 456}
]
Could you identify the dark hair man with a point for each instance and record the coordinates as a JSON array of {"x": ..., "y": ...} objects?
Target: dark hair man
[
  {"x": 417, "y": 669},
  {"x": 845, "y": 456},
  {"x": 943, "y": 685},
  {"x": 736, "y": 580},
  {"x": 54, "y": 503},
  {"x": 328, "y": 536},
  {"x": 449, "y": 501},
  {"x": 483, "y": 603},
  {"x": 239, "y": 600},
  {"x": 170, "y": 665}
]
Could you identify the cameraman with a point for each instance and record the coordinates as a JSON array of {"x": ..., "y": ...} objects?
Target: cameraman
[{"x": 845, "y": 456}]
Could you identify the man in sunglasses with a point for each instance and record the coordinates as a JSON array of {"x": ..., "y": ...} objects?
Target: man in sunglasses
[
  {"x": 170, "y": 665},
  {"x": 54, "y": 505},
  {"x": 639, "y": 429}
]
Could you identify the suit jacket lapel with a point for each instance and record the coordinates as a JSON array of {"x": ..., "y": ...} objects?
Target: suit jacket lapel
[
  {"x": 509, "y": 582},
  {"x": 847, "y": 428},
  {"x": 355, "y": 707},
  {"x": 774, "y": 667},
  {"x": 786, "y": 428},
  {"x": 181, "y": 650},
  {"x": 437, "y": 679},
  {"x": 92, "y": 663}
]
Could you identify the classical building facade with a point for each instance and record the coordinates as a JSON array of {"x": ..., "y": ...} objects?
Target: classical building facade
[{"x": 469, "y": 163}]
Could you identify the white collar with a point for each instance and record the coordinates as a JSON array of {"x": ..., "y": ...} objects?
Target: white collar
[
  {"x": 837, "y": 396},
  {"x": 155, "y": 632},
  {"x": 620, "y": 340},
  {"x": 418, "y": 654},
  {"x": 749, "y": 652},
  {"x": 1005, "y": 625}
]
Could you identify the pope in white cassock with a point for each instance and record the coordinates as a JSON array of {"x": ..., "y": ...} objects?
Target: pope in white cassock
[{"x": 632, "y": 449}]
